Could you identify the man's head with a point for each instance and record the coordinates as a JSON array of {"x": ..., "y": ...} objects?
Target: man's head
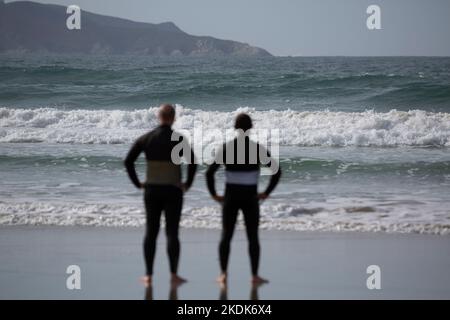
[
  {"x": 243, "y": 122},
  {"x": 166, "y": 114}
]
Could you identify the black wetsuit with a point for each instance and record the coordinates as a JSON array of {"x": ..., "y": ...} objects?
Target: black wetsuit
[
  {"x": 157, "y": 146},
  {"x": 240, "y": 197}
]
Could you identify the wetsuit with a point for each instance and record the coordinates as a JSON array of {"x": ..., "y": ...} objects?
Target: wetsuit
[
  {"x": 241, "y": 189},
  {"x": 162, "y": 190}
]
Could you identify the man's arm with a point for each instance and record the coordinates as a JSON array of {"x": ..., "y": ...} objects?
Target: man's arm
[
  {"x": 210, "y": 181},
  {"x": 131, "y": 158},
  {"x": 275, "y": 177},
  {"x": 192, "y": 168},
  {"x": 210, "y": 178}
]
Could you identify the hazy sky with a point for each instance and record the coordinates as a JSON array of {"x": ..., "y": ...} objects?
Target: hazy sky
[{"x": 298, "y": 27}]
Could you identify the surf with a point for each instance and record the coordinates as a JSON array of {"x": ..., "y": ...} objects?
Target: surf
[{"x": 297, "y": 128}]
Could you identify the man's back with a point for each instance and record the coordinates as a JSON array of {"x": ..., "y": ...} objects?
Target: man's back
[
  {"x": 161, "y": 169},
  {"x": 242, "y": 154},
  {"x": 157, "y": 144},
  {"x": 242, "y": 159}
]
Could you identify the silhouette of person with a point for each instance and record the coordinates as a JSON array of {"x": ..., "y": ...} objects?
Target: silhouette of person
[
  {"x": 242, "y": 159},
  {"x": 163, "y": 188}
]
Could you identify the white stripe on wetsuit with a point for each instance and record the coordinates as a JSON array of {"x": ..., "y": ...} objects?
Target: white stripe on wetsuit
[{"x": 248, "y": 178}]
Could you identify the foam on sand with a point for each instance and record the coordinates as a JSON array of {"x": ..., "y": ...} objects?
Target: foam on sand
[{"x": 273, "y": 217}]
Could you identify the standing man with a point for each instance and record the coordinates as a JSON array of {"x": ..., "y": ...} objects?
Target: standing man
[
  {"x": 163, "y": 188},
  {"x": 242, "y": 158}
]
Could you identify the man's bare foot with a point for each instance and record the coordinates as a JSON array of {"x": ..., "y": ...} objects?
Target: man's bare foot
[
  {"x": 177, "y": 280},
  {"x": 257, "y": 280},
  {"x": 222, "y": 279},
  {"x": 147, "y": 281}
]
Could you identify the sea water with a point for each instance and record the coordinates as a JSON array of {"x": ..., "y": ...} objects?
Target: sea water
[{"x": 364, "y": 142}]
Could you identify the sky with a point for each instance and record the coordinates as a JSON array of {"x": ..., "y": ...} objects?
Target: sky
[{"x": 298, "y": 27}]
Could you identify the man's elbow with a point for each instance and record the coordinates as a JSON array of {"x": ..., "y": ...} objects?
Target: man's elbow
[
  {"x": 209, "y": 173},
  {"x": 128, "y": 164},
  {"x": 278, "y": 173},
  {"x": 128, "y": 160}
]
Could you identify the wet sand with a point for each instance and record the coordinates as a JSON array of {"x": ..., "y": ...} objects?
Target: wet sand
[{"x": 300, "y": 265}]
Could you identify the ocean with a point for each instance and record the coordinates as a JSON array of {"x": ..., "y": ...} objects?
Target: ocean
[{"x": 364, "y": 142}]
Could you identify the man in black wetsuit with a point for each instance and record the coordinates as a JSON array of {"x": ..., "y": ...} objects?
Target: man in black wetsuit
[
  {"x": 163, "y": 188},
  {"x": 242, "y": 159}
]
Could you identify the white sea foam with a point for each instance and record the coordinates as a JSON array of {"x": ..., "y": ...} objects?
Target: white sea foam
[
  {"x": 307, "y": 128},
  {"x": 273, "y": 217}
]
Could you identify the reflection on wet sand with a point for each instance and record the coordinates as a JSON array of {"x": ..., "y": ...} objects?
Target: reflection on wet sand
[
  {"x": 149, "y": 293},
  {"x": 223, "y": 293},
  {"x": 173, "y": 292}
]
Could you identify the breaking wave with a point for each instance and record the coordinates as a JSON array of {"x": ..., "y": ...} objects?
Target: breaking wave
[{"x": 301, "y": 128}]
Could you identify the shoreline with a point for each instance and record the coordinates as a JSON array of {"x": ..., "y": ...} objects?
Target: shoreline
[
  {"x": 300, "y": 265},
  {"x": 376, "y": 230}
]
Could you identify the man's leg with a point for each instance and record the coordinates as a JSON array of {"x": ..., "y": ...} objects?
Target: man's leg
[
  {"x": 230, "y": 211},
  {"x": 153, "y": 207},
  {"x": 173, "y": 206},
  {"x": 251, "y": 217}
]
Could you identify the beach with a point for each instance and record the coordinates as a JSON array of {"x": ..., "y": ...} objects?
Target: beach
[
  {"x": 111, "y": 116},
  {"x": 363, "y": 144},
  {"x": 300, "y": 265}
]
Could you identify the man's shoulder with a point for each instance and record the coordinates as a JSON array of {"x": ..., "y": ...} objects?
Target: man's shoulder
[
  {"x": 143, "y": 139},
  {"x": 242, "y": 142},
  {"x": 145, "y": 136},
  {"x": 164, "y": 133}
]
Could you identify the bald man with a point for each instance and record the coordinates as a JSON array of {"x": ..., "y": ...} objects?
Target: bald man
[{"x": 163, "y": 189}]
